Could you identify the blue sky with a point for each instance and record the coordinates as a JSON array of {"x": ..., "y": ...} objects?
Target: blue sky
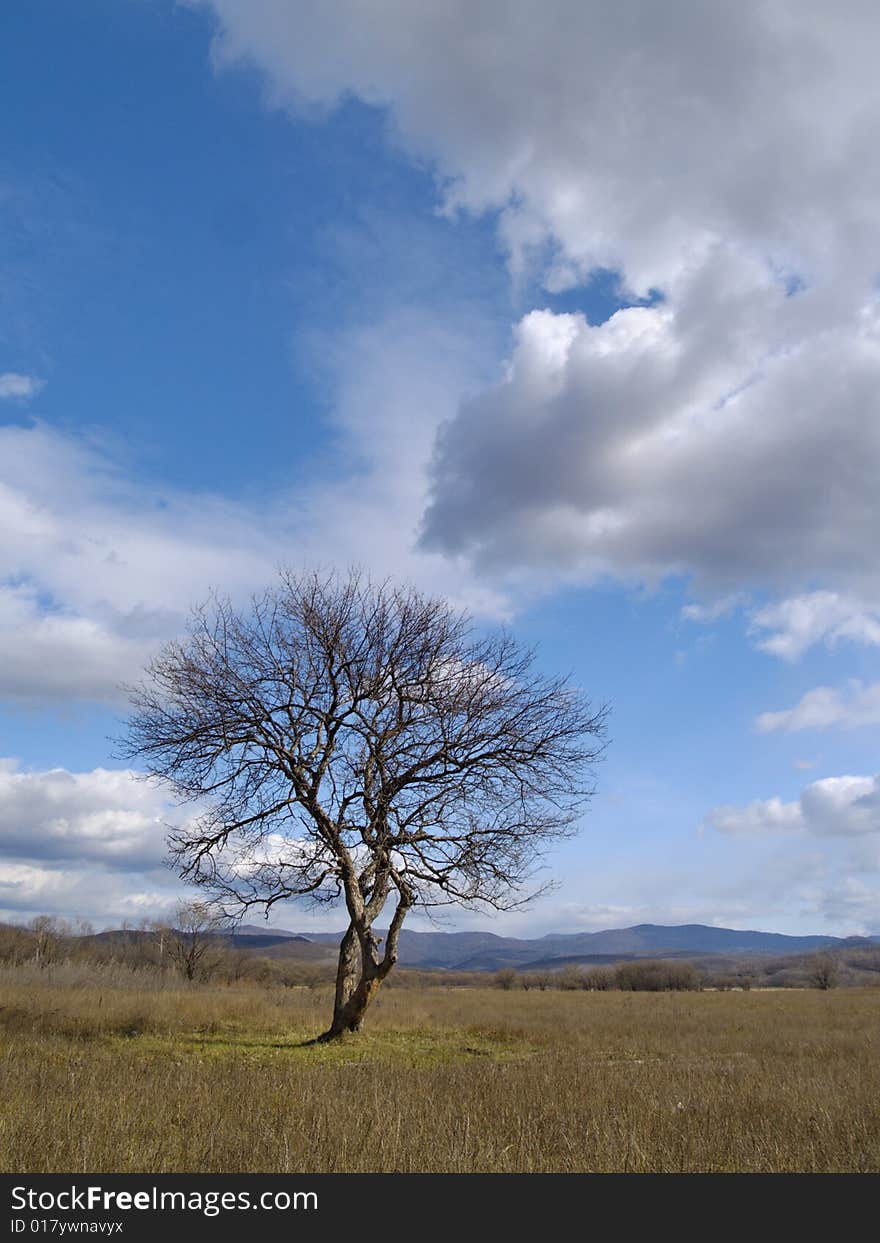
[{"x": 566, "y": 314}]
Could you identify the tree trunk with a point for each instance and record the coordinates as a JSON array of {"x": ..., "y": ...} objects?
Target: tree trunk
[
  {"x": 348, "y": 970},
  {"x": 360, "y": 970},
  {"x": 349, "y": 1017},
  {"x": 358, "y": 977}
]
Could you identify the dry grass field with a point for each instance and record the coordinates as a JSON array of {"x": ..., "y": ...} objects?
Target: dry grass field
[{"x": 100, "y": 1072}]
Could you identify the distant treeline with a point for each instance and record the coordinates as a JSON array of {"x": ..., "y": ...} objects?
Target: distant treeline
[
  {"x": 155, "y": 952},
  {"x": 856, "y": 966},
  {"x": 643, "y": 975},
  {"x": 198, "y": 952},
  {"x": 151, "y": 949}
]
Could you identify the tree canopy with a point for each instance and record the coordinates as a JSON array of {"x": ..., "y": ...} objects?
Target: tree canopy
[{"x": 343, "y": 740}]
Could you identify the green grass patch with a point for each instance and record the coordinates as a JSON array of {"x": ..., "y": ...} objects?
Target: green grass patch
[{"x": 405, "y": 1047}]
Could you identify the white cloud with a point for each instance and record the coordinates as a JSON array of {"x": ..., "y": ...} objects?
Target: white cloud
[
  {"x": 663, "y": 443},
  {"x": 90, "y": 844},
  {"x": 830, "y": 807},
  {"x": 627, "y": 136},
  {"x": 705, "y": 613},
  {"x": 842, "y": 805},
  {"x": 13, "y": 385},
  {"x": 826, "y": 617},
  {"x": 396, "y": 380},
  {"x": 95, "y": 571},
  {"x": 89, "y": 537},
  {"x": 106, "y": 898},
  {"x": 62, "y": 655},
  {"x": 86, "y": 844},
  {"x": 725, "y": 157},
  {"x": 761, "y": 816},
  {"x": 825, "y": 707},
  {"x": 777, "y": 882},
  {"x": 106, "y": 816}
]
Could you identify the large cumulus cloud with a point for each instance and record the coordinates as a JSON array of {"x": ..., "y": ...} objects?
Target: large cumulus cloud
[
  {"x": 723, "y": 157},
  {"x": 108, "y": 816},
  {"x": 626, "y": 135},
  {"x": 674, "y": 441},
  {"x": 89, "y": 843},
  {"x": 831, "y": 807}
]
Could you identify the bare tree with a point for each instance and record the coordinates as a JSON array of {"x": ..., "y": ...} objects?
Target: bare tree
[
  {"x": 50, "y": 934},
  {"x": 194, "y": 938},
  {"x": 823, "y": 971},
  {"x": 361, "y": 742}
]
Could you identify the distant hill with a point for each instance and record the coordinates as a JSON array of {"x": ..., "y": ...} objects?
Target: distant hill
[
  {"x": 263, "y": 930},
  {"x": 271, "y": 943},
  {"x": 486, "y": 951},
  {"x": 262, "y": 937}
]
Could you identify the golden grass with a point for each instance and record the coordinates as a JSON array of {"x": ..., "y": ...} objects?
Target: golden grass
[{"x": 103, "y": 1073}]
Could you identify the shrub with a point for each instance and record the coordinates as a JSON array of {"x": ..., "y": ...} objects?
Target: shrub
[{"x": 648, "y": 975}]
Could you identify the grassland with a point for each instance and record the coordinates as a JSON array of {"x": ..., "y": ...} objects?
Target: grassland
[{"x": 101, "y": 1071}]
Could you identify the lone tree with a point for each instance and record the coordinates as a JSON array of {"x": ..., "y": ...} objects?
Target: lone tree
[
  {"x": 348, "y": 740},
  {"x": 194, "y": 939},
  {"x": 823, "y": 971}
]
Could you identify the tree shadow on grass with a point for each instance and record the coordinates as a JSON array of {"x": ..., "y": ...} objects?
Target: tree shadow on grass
[{"x": 232, "y": 1041}]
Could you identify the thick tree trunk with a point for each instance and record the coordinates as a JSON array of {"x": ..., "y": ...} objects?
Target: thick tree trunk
[
  {"x": 360, "y": 970},
  {"x": 348, "y": 970},
  {"x": 350, "y": 1016},
  {"x": 358, "y": 976}
]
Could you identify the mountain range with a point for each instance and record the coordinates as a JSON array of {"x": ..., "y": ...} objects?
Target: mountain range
[{"x": 485, "y": 951}]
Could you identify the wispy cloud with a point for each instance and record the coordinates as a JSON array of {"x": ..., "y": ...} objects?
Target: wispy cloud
[
  {"x": 13, "y": 386},
  {"x": 800, "y": 622},
  {"x": 826, "y": 707},
  {"x": 97, "y": 569}
]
